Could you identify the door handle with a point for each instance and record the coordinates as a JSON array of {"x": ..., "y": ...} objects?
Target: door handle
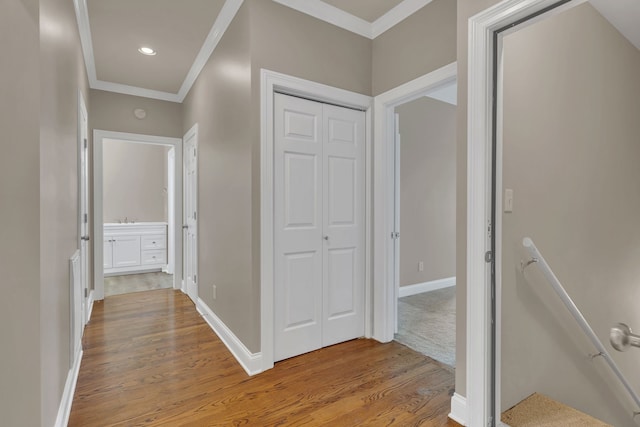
[
  {"x": 184, "y": 227},
  {"x": 326, "y": 238},
  {"x": 622, "y": 339},
  {"x": 85, "y": 238}
]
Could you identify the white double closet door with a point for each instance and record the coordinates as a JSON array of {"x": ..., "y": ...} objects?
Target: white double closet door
[{"x": 319, "y": 195}]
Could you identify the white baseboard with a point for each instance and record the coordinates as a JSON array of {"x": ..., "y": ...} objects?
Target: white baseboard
[
  {"x": 458, "y": 409},
  {"x": 251, "y": 362},
  {"x": 64, "y": 410},
  {"x": 433, "y": 285}
]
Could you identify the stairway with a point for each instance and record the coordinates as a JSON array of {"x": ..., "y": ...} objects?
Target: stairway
[{"x": 539, "y": 410}]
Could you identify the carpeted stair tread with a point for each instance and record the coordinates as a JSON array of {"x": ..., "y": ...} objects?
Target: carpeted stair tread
[{"x": 541, "y": 411}]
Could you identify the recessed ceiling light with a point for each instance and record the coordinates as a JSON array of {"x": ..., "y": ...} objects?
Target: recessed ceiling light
[{"x": 147, "y": 51}]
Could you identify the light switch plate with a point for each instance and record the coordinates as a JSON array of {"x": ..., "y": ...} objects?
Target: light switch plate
[{"x": 508, "y": 200}]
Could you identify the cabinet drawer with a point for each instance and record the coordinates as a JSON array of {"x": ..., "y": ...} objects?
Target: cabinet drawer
[
  {"x": 154, "y": 257},
  {"x": 154, "y": 242}
]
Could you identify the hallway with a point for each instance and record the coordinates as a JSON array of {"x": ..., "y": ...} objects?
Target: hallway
[{"x": 150, "y": 359}]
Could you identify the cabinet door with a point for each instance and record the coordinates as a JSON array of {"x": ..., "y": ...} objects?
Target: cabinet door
[
  {"x": 126, "y": 251},
  {"x": 108, "y": 252}
]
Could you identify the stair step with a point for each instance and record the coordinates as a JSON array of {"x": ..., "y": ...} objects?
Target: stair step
[{"x": 541, "y": 411}]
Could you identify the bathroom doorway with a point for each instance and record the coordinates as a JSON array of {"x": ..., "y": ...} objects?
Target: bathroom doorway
[{"x": 138, "y": 213}]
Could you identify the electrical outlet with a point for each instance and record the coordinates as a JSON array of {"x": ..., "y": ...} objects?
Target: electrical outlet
[
  {"x": 421, "y": 266},
  {"x": 214, "y": 291}
]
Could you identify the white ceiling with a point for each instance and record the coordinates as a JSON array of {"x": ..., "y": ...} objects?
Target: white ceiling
[
  {"x": 176, "y": 29},
  {"x": 186, "y": 32}
]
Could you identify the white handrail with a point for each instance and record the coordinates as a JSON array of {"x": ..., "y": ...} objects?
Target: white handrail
[{"x": 575, "y": 312}]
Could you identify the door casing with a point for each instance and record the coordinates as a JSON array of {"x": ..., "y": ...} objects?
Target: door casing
[
  {"x": 385, "y": 275},
  {"x": 272, "y": 82},
  {"x": 99, "y": 136},
  {"x": 190, "y": 141},
  {"x": 480, "y": 122}
]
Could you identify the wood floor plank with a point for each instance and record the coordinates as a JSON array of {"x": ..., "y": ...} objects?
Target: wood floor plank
[{"x": 150, "y": 359}]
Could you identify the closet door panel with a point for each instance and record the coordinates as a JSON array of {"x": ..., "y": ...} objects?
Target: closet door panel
[
  {"x": 298, "y": 138},
  {"x": 343, "y": 224}
]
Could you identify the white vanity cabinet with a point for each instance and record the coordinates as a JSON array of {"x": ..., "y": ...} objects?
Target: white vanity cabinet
[{"x": 135, "y": 247}]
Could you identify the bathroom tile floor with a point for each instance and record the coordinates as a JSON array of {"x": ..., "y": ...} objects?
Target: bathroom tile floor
[{"x": 117, "y": 285}]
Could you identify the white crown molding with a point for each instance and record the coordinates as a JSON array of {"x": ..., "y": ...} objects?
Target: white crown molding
[
  {"x": 134, "y": 90},
  {"x": 396, "y": 15},
  {"x": 218, "y": 29},
  {"x": 223, "y": 21},
  {"x": 331, "y": 14},
  {"x": 316, "y": 8},
  {"x": 338, "y": 17},
  {"x": 82, "y": 17}
]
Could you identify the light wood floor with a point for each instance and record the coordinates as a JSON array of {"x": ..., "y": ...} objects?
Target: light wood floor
[{"x": 150, "y": 359}]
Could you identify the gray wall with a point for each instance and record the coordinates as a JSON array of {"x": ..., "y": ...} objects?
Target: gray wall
[
  {"x": 423, "y": 42},
  {"x": 225, "y": 103},
  {"x": 220, "y": 103},
  {"x": 20, "y": 214},
  {"x": 290, "y": 42},
  {"x": 427, "y": 190},
  {"x": 62, "y": 74},
  {"x": 416, "y": 46},
  {"x": 134, "y": 181},
  {"x": 571, "y": 150},
  {"x": 114, "y": 112}
]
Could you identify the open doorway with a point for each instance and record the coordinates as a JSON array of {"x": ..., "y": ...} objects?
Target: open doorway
[
  {"x": 425, "y": 223},
  {"x": 386, "y": 249},
  {"x": 137, "y": 213},
  {"x": 136, "y": 204}
]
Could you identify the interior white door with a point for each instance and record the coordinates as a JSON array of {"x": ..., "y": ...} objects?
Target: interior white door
[
  {"x": 190, "y": 246},
  {"x": 396, "y": 218},
  {"x": 80, "y": 268},
  {"x": 319, "y": 225},
  {"x": 344, "y": 228},
  {"x": 298, "y": 226}
]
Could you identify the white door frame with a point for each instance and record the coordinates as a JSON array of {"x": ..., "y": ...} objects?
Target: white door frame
[
  {"x": 482, "y": 28},
  {"x": 98, "y": 229},
  {"x": 271, "y": 82},
  {"x": 193, "y": 132},
  {"x": 385, "y": 292},
  {"x": 83, "y": 192},
  {"x": 171, "y": 200}
]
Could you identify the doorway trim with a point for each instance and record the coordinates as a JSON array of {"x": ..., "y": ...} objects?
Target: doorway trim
[
  {"x": 190, "y": 134},
  {"x": 98, "y": 229},
  {"x": 83, "y": 192},
  {"x": 482, "y": 29},
  {"x": 384, "y": 289},
  {"x": 270, "y": 83}
]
